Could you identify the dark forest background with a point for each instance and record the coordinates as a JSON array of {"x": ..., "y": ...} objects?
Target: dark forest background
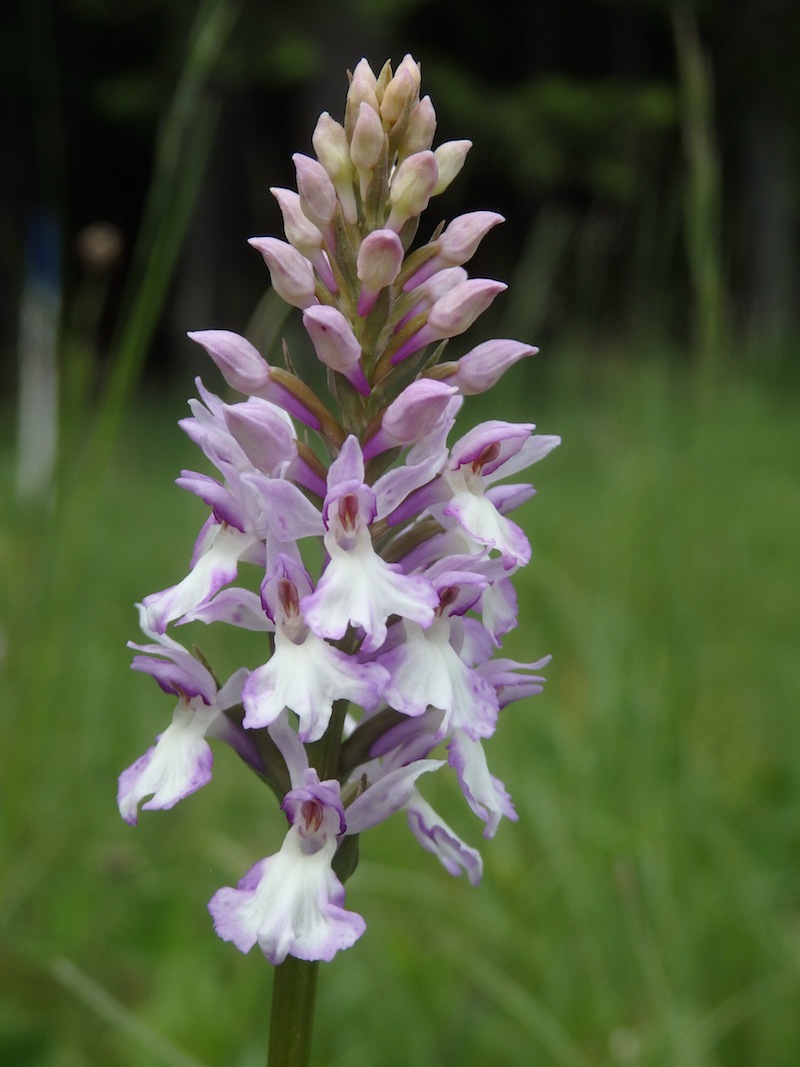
[{"x": 644, "y": 153}]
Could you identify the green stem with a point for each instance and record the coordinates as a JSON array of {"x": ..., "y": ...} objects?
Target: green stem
[
  {"x": 324, "y": 754},
  {"x": 293, "y": 995}
]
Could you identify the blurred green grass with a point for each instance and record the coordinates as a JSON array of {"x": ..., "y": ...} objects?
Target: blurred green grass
[{"x": 645, "y": 910}]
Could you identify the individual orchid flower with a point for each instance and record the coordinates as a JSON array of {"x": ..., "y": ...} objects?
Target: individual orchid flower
[
  {"x": 426, "y": 668},
  {"x": 180, "y": 761},
  {"x": 357, "y": 587},
  {"x": 304, "y": 673},
  {"x": 292, "y": 902}
]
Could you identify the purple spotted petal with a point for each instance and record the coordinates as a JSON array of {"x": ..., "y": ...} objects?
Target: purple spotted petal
[
  {"x": 308, "y": 677},
  {"x": 426, "y": 670},
  {"x": 291, "y": 903},
  {"x": 176, "y": 671},
  {"x": 359, "y": 588}
]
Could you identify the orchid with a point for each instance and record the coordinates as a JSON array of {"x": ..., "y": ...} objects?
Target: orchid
[{"x": 382, "y": 551}]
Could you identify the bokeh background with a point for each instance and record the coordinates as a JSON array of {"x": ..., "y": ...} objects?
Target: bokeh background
[{"x": 645, "y": 910}]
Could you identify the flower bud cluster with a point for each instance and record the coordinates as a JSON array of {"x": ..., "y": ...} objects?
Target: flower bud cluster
[{"x": 379, "y": 664}]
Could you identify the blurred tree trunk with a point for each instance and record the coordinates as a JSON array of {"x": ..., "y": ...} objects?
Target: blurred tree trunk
[
  {"x": 763, "y": 98},
  {"x": 771, "y": 259}
]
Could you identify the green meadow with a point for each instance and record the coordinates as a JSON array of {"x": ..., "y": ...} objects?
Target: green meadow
[{"x": 645, "y": 909}]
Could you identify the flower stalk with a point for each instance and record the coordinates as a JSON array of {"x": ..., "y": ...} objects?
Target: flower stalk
[{"x": 293, "y": 996}]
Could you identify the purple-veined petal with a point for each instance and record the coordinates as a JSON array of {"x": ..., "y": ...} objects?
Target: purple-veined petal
[
  {"x": 387, "y": 795},
  {"x": 308, "y": 677},
  {"x": 359, "y": 588},
  {"x": 485, "y": 794},
  {"x": 437, "y": 837},
  {"x": 178, "y": 764},
  {"x": 473, "y": 511},
  {"x": 235, "y": 606},
  {"x": 213, "y": 570},
  {"x": 426, "y": 670},
  {"x": 291, "y": 903},
  {"x": 510, "y": 680}
]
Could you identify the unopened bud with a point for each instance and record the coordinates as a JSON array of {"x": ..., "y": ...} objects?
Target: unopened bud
[
  {"x": 263, "y": 431},
  {"x": 336, "y": 344},
  {"x": 482, "y": 367},
  {"x": 366, "y": 145},
  {"x": 426, "y": 294},
  {"x": 362, "y": 90},
  {"x": 333, "y": 152},
  {"x": 241, "y": 365},
  {"x": 456, "y": 311},
  {"x": 450, "y": 158},
  {"x": 401, "y": 93},
  {"x": 457, "y": 244},
  {"x": 300, "y": 231},
  {"x": 411, "y": 416},
  {"x": 290, "y": 273},
  {"x": 459, "y": 241},
  {"x": 379, "y": 260},
  {"x": 452, "y": 314},
  {"x": 421, "y": 128},
  {"x": 411, "y": 188},
  {"x": 317, "y": 194},
  {"x": 303, "y": 235}
]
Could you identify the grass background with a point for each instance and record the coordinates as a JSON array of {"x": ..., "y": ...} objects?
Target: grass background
[{"x": 645, "y": 910}]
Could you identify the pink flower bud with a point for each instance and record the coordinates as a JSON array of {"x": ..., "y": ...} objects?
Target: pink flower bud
[
  {"x": 450, "y": 158},
  {"x": 336, "y": 344},
  {"x": 299, "y": 230},
  {"x": 442, "y": 282},
  {"x": 379, "y": 260},
  {"x": 263, "y": 432},
  {"x": 411, "y": 416},
  {"x": 456, "y": 311},
  {"x": 317, "y": 194},
  {"x": 362, "y": 90},
  {"x": 426, "y": 294},
  {"x": 482, "y": 367},
  {"x": 459, "y": 241},
  {"x": 333, "y": 152},
  {"x": 241, "y": 365},
  {"x": 457, "y": 244},
  {"x": 411, "y": 188},
  {"x": 421, "y": 128},
  {"x": 452, "y": 314},
  {"x": 366, "y": 145},
  {"x": 303, "y": 235},
  {"x": 401, "y": 92},
  {"x": 290, "y": 273},
  {"x": 245, "y": 370}
]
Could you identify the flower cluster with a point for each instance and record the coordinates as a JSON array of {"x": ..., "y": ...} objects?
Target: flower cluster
[{"x": 380, "y": 662}]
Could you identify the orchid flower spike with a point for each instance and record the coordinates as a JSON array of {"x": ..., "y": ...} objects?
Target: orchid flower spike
[{"x": 366, "y": 547}]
